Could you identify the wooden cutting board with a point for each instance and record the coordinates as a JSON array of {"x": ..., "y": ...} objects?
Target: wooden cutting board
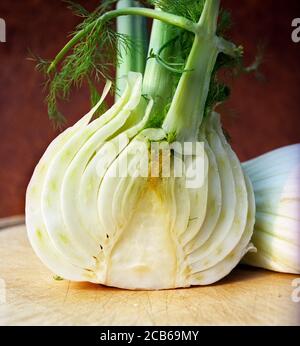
[{"x": 246, "y": 297}]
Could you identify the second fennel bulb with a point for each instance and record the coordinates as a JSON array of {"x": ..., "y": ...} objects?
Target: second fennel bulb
[{"x": 276, "y": 181}]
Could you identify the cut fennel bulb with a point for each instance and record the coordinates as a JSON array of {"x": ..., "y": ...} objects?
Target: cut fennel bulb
[
  {"x": 114, "y": 200},
  {"x": 135, "y": 231},
  {"x": 276, "y": 180}
]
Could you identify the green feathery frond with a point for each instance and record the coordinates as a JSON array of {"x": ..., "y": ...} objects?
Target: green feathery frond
[
  {"x": 77, "y": 9},
  {"x": 190, "y": 9},
  {"x": 92, "y": 59}
]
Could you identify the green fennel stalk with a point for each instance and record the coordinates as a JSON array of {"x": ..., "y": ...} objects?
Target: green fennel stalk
[
  {"x": 134, "y": 56},
  {"x": 187, "y": 108}
]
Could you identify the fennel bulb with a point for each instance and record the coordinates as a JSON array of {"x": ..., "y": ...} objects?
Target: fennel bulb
[
  {"x": 136, "y": 232},
  {"x": 276, "y": 181},
  {"x": 140, "y": 231}
]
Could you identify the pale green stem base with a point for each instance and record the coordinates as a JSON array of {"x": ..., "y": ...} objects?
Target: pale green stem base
[
  {"x": 157, "y": 79},
  {"x": 133, "y": 58}
]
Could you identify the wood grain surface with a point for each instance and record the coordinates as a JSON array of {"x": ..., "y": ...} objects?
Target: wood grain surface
[{"x": 246, "y": 297}]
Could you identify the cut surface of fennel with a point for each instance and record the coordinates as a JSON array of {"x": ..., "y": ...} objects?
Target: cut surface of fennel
[
  {"x": 136, "y": 232},
  {"x": 276, "y": 181}
]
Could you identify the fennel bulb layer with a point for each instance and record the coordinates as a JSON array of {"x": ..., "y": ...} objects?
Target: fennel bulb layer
[
  {"x": 276, "y": 180},
  {"x": 133, "y": 231}
]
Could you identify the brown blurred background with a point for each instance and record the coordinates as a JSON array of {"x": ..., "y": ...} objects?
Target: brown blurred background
[{"x": 261, "y": 116}]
